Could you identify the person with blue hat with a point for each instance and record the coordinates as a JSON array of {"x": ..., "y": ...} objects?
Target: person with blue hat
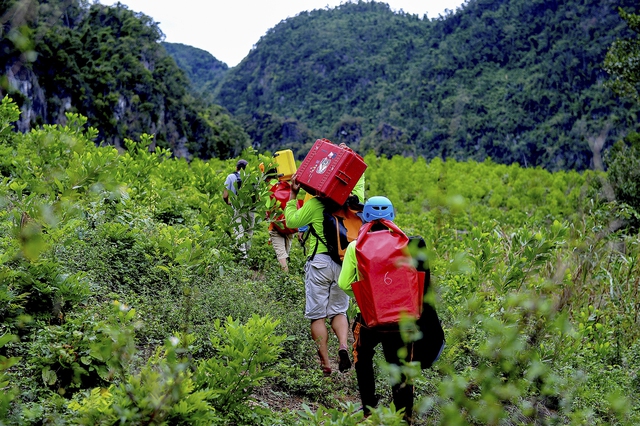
[{"x": 377, "y": 210}]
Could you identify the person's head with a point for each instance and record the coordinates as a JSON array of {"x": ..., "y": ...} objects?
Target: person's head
[
  {"x": 271, "y": 174},
  {"x": 241, "y": 165},
  {"x": 378, "y": 207}
]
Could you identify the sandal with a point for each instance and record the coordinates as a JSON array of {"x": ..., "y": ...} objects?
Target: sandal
[{"x": 345, "y": 363}]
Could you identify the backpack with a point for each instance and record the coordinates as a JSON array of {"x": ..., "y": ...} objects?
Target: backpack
[
  {"x": 340, "y": 226},
  {"x": 427, "y": 349},
  {"x": 280, "y": 192},
  {"x": 238, "y": 180},
  {"x": 389, "y": 286}
]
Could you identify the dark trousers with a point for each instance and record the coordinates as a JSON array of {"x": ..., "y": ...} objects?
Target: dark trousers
[{"x": 365, "y": 341}]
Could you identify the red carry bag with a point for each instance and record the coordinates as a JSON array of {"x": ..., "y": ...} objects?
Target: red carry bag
[
  {"x": 389, "y": 285},
  {"x": 331, "y": 171},
  {"x": 280, "y": 193}
]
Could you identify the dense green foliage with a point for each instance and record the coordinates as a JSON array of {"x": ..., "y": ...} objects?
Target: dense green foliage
[
  {"x": 623, "y": 159},
  {"x": 107, "y": 64},
  {"x": 122, "y": 297},
  {"x": 203, "y": 70},
  {"x": 623, "y": 168},
  {"x": 514, "y": 80},
  {"x": 623, "y": 60}
]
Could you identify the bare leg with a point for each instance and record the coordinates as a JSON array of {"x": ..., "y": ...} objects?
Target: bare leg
[
  {"x": 320, "y": 335},
  {"x": 283, "y": 264},
  {"x": 340, "y": 326}
]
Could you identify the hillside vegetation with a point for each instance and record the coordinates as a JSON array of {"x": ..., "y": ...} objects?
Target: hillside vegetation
[
  {"x": 203, "y": 70},
  {"x": 107, "y": 64},
  {"x": 123, "y": 300},
  {"x": 514, "y": 80},
  {"x": 124, "y": 297}
]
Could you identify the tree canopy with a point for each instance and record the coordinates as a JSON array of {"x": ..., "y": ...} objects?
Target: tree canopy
[
  {"x": 203, "y": 70},
  {"x": 623, "y": 60},
  {"x": 623, "y": 159},
  {"x": 514, "y": 80}
]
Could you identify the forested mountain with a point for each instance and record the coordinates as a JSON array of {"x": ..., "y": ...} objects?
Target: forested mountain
[
  {"x": 516, "y": 80},
  {"x": 203, "y": 70},
  {"x": 107, "y": 64}
]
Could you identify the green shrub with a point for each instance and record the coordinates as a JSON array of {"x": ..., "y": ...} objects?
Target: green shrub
[
  {"x": 623, "y": 172},
  {"x": 8, "y": 390},
  {"x": 170, "y": 388},
  {"x": 245, "y": 355}
]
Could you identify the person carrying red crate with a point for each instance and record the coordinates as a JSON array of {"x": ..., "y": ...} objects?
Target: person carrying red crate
[{"x": 324, "y": 298}]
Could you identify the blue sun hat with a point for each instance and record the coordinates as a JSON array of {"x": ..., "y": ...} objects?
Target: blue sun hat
[{"x": 378, "y": 207}]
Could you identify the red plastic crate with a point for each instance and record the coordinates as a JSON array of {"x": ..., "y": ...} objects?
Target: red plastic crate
[{"x": 330, "y": 170}]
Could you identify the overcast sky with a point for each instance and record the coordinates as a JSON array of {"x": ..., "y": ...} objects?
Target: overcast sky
[{"x": 228, "y": 29}]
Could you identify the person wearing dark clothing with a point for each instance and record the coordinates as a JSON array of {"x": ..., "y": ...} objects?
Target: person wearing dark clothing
[{"x": 379, "y": 211}]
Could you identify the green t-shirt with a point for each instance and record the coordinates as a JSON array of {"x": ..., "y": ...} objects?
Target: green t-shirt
[
  {"x": 311, "y": 213},
  {"x": 358, "y": 190}
]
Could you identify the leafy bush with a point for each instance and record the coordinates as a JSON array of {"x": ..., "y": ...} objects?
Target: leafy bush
[
  {"x": 532, "y": 285},
  {"x": 8, "y": 391},
  {"x": 170, "y": 387},
  {"x": 623, "y": 170}
]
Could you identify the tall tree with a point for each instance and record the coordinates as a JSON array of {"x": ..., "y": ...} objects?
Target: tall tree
[{"x": 623, "y": 60}]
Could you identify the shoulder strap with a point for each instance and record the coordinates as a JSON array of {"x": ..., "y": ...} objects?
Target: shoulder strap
[
  {"x": 329, "y": 208},
  {"x": 312, "y": 230},
  {"x": 392, "y": 226},
  {"x": 303, "y": 242},
  {"x": 238, "y": 179}
]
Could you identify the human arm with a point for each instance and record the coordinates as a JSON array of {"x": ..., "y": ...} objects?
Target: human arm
[
  {"x": 294, "y": 188},
  {"x": 305, "y": 215},
  {"x": 311, "y": 213},
  {"x": 298, "y": 217},
  {"x": 349, "y": 272}
]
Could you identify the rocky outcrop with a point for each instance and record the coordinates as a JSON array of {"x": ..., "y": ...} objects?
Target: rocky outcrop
[{"x": 23, "y": 82}]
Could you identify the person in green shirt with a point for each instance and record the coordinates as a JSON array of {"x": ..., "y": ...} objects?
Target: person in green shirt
[
  {"x": 367, "y": 338},
  {"x": 358, "y": 190},
  {"x": 324, "y": 299}
]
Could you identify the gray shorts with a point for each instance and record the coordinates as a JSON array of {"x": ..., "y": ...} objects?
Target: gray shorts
[{"x": 324, "y": 299}]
